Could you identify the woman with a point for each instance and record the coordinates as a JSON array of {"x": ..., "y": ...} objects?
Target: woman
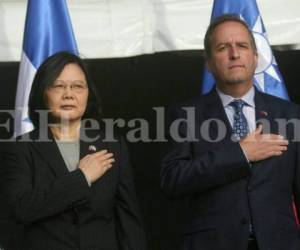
[{"x": 68, "y": 187}]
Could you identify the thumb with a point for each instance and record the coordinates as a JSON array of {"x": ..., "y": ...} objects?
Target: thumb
[{"x": 259, "y": 129}]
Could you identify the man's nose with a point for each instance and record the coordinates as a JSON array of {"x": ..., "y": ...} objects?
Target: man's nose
[{"x": 234, "y": 52}]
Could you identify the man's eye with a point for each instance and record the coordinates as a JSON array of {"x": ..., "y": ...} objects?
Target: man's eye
[{"x": 244, "y": 46}]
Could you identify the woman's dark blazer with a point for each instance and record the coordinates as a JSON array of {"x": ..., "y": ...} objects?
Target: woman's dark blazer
[{"x": 58, "y": 209}]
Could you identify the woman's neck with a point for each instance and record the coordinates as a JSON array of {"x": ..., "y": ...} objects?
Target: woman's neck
[{"x": 66, "y": 131}]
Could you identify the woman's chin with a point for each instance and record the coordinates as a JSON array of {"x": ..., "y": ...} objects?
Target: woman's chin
[{"x": 67, "y": 117}]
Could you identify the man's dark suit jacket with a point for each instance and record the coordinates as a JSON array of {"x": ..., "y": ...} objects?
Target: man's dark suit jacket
[
  {"x": 224, "y": 192},
  {"x": 57, "y": 208}
]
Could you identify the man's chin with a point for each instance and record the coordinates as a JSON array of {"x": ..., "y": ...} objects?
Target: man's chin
[{"x": 237, "y": 81}]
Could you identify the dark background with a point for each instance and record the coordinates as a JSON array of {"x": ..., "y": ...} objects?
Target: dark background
[{"x": 130, "y": 88}]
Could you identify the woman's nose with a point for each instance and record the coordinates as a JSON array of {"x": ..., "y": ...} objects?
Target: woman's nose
[{"x": 67, "y": 92}]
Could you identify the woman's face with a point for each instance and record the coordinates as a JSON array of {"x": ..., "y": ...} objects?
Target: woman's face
[{"x": 67, "y": 97}]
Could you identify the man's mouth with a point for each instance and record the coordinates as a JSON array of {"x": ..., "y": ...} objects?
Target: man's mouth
[{"x": 236, "y": 66}]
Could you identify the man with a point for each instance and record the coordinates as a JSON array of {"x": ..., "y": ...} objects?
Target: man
[{"x": 232, "y": 161}]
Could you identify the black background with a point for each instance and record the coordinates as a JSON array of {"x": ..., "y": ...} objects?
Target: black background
[{"x": 130, "y": 88}]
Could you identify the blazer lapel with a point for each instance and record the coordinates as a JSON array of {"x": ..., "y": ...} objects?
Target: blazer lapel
[
  {"x": 91, "y": 141},
  {"x": 48, "y": 150}
]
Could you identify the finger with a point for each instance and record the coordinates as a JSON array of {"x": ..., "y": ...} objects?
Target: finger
[
  {"x": 270, "y": 148},
  {"x": 101, "y": 152},
  {"x": 280, "y": 142},
  {"x": 106, "y": 166},
  {"x": 109, "y": 166},
  {"x": 281, "y": 148},
  {"x": 284, "y": 142},
  {"x": 271, "y": 153},
  {"x": 104, "y": 157},
  {"x": 273, "y": 136},
  {"x": 98, "y": 156},
  {"x": 276, "y": 153},
  {"x": 107, "y": 162}
]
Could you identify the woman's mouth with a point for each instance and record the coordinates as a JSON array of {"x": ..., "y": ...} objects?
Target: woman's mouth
[{"x": 67, "y": 107}]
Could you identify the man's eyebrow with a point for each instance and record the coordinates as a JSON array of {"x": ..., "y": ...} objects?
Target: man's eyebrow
[{"x": 228, "y": 43}]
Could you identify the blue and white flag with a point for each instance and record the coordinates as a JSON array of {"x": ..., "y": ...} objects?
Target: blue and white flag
[
  {"x": 267, "y": 77},
  {"x": 48, "y": 30}
]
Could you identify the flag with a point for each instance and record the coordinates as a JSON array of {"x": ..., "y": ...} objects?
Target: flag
[
  {"x": 48, "y": 30},
  {"x": 267, "y": 77}
]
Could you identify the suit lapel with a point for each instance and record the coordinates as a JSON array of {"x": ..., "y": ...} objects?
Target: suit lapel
[
  {"x": 214, "y": 110},
  {"x": 263, "y": 113},
  {"x": 264, "y": 116}
]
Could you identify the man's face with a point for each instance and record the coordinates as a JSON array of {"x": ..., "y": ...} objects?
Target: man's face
[{"x": 233, "y": 59}]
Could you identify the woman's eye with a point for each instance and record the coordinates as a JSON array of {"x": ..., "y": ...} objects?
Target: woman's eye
[
  {"x": 58, "y": 86},
  {"x": 77, "y": 86}
]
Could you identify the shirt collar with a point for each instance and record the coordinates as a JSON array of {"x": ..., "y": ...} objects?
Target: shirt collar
[{"x": 227, "y": 99}]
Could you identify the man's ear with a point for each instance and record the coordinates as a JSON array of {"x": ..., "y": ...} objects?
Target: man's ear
[{"x": 256, "y": 58}]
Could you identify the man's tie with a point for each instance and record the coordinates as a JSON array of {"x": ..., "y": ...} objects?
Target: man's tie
[
  {"x": 240, "y": 125},
  {"x": 240, "y": 129}
]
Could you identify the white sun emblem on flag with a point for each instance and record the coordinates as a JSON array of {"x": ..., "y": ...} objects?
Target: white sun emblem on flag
[{"x": 266, "y": 60}]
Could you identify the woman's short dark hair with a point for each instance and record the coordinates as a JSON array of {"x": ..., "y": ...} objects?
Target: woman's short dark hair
[
  {"x": 45, "y": 76},
  {"x": 222, "y": 19}
]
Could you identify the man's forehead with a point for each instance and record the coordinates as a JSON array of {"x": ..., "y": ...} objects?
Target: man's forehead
[
  {"x": 231, "y": 40},
  {"x": 229, "y": 32}
]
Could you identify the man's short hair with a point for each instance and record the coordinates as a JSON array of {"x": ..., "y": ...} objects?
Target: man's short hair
[{"x": 222, "y": 19}]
